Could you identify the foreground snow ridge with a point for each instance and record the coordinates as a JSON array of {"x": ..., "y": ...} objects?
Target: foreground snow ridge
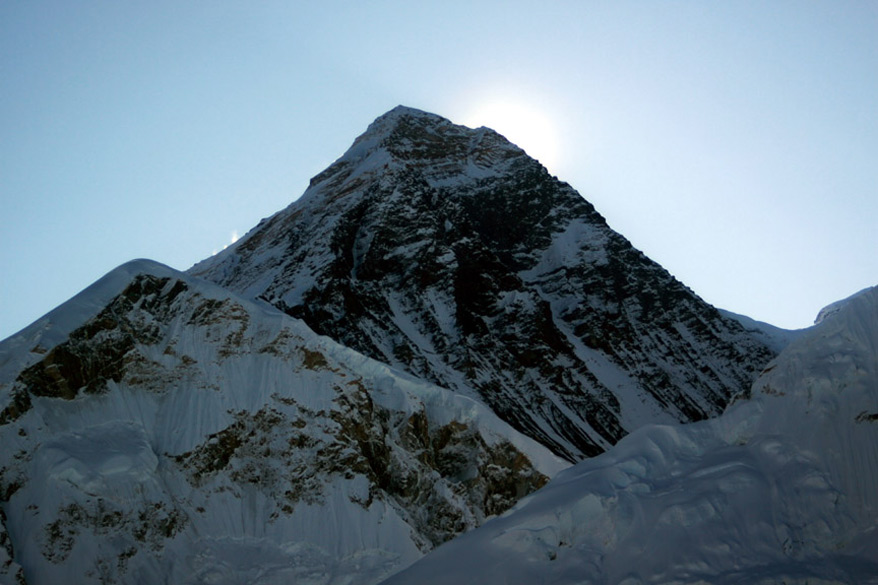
[
  {"x": 782, "y": 488},
  {"x": 160, "y": 429}
]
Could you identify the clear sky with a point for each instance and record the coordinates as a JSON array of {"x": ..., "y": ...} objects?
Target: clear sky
[{"x": 736, "y": 143}]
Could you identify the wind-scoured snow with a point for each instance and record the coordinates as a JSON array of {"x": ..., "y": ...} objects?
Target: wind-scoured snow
[
  {"x": 782, "y": 488},
  {"x": 55, "y": 326},
  {"x": 158, "y": 428},
  {"x": 774, "y": 337}
]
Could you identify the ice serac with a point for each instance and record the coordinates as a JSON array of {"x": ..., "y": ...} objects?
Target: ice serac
[
  {"x": 159, "y": 429},
  {"x": 782, "y": 488},
  {"x": 448, "y": 252}
]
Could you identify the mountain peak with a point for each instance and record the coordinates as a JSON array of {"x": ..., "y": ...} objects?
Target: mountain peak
[
  {"x": 402, "y": 111},
  {"x": 418, "y": 139},
  {"x": 387, "y": 124},
  {"x": 449, "y": 253}
]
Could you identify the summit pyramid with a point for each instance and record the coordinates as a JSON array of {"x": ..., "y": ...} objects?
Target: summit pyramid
[{"x": 450, "y": 253}]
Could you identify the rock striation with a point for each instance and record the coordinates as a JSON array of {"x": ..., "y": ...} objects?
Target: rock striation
[{"x": 448, "y": 252}]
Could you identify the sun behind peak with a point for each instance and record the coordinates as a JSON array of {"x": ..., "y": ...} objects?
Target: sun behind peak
[{"x": 521, "y": 124}]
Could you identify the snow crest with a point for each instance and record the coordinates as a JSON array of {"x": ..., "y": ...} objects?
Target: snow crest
[
  {"x": 159, "y": 428},
  {"x": 781, "y": 488}
]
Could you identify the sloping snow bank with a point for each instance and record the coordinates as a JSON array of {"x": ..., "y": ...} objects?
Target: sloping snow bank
[
  {"x": 781, "y": 488},
  {"x": 160, "y": 429}
]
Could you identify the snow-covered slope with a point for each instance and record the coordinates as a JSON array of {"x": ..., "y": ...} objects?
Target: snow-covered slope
[
  {"x": 448, "y": 252},
  {"x": 773, "y": 337},
  {"x": 160, "y": 429},
  {"x": 783, "y": 488}
]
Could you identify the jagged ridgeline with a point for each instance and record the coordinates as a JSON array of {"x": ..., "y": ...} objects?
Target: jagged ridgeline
[
  {"x": 448, "y": 252},
  {"x": 160, "y": 429}
]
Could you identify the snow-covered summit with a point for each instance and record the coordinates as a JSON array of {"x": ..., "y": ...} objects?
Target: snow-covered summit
[
  {"x": 383, "y": 126},
  {"x": 406, "y": 138},
  {"x": 447, "y": 252},
  {"x": 404, "y": 130}
]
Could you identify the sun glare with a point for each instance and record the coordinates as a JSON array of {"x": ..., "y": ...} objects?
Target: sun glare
[{"x": 522, "y": 125}]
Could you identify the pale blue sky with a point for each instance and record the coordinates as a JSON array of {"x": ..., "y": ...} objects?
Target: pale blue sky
[{"x": 736, "y": 143}]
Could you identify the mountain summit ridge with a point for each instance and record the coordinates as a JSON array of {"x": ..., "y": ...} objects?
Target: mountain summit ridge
[
  {"x": 413, "y": 137},
  {"x": 448, "y": 252}
]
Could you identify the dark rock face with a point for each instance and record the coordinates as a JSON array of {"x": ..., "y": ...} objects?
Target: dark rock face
[
  {"x": 444, "y": 479},
  {"x": 448, "y": 252},
  {"x": 102, "y": 350}
]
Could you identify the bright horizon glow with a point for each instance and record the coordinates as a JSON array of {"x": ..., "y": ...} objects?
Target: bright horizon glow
[{"x": 523, "y": 125}]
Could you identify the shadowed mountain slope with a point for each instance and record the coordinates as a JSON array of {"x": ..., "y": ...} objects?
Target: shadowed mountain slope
[
  {"x": 448, "y": 252},
  {"x": 781, "y": 488}
]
